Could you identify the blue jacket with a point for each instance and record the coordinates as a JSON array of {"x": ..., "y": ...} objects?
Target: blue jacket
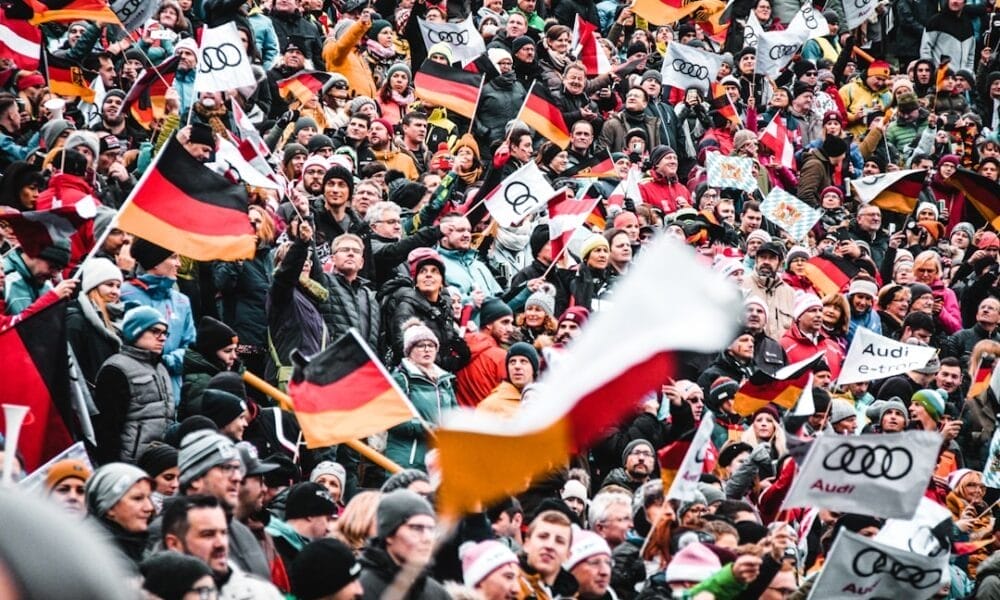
[
  {"x": 464, "y": 271},
  {"x": 159, "y": 293},
  {"x": 869, "y": 320},
  {"x": 265, "y": 37},
  {"x": 184, "y": 84},
  {"x": 21, "y": 288}
]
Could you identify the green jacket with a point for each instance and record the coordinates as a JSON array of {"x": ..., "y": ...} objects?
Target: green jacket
[{"x": 407, "y": 442}]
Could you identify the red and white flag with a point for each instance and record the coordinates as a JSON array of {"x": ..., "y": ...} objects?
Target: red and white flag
[
  {"x": 35, "y": 230},
  {"x": 586, "y": 48},
  {"x": 778, "y": 140},
  {"x": 246, "y": 131},
  {"x": 566, "y": 213},
  {"x": 20, "y": 42},
  {"x": 628, "y": 188}
]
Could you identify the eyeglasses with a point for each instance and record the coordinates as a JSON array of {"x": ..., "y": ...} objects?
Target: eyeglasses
[
  {"x": 810, "y": 73},
  {"x": 420, "y": 529},
  {"x": 206, "y": 592},
  {"x": 349, "y": 251},
  {"x": 159, "y": 332},
  {"x": 641, "y": 453}
]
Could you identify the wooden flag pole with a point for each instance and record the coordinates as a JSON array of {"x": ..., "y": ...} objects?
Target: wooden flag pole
[{"x": 286, "y": 404}]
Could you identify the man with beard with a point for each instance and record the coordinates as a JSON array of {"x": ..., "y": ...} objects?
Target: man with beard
[
  {"x": 196, "y": 526},
  {"x": 546, "y": 548},
  {"x": 638, "y": 461},
  {"x": 292, "y": 61},
  {"x": 313, "y": 171},
  {"x": 863, "y": 94},
  {"x": 114, "y": 181},
  {"x": 767, "y": 284},
  {"x": 250, "y": 502},
  {"x": 380, "y": 140},
  {"x": 768, "y": 354},
  {"x": 590, "y": 564},
  {"x": 581, "y": 143},
  {"x": 115, "y": 121}
]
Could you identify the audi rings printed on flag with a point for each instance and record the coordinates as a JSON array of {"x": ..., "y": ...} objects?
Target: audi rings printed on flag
[
  {"x": 518, "y": 196},
  {"x": 780, "y": 51},
  {"x": 126, "y": 9},
  {"x": 455, "y": 38},
  {"x": 872, "y": 561},
  {"x": 923, "y": 540},
  {"x": 875, "y": 462},
  {"x": 218, "y": 58},
  {"x": 690, "y": 69},
  {"x": 861, "y": 3},
  {"x": 809, "y": 16}
]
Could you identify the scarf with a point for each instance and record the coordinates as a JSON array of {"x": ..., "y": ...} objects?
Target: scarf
[
  {"x": 514, "y": 239},
  {"x": 213, "y": 116},
  {"x": 379, "y": 51},
  {"x": 402, "y": 100},
  {"x": 470, "y": 177},
  {"x": 115, "y": 312},
  {"x": 559, "y": 61}
]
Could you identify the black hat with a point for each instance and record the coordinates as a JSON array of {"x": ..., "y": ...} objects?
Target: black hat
[
  {"x": 521, "y": 42},
  {"x": 774, "y": 248},
  {"x": 57, "y": 253},
  {"x": 157, "y": 458},
  {"x": 291, "y": 151},
  {"x": 318, "y": 142},
  {"x": 322, "y": 569},
  {"x": 221, "y": 407},
  {"x": 729, "y": 452},
  {"x": 636, "y": 48},
  {"x": 493, "y": 309},
  {"x": 228, "y": 381},
  {"x": 252, "y": 465},
  {"x": 287, "y": 471},
  {"x": 202, "y": 134},
  {"x": 309, "y": 499},
  {"x": 177, "y": 432},
  {"x": 291, "y": 46},
  {"x": 407, "y": 194},
  {"x": 71, "y": 162},
  {"x": 148, "y": 254},
  {"x": 831, "y": 17},
  {"x": 170, "y": 575},
  {"x": 834, "y": 145},
  {"x": 802, "y": 88},
  {"x": 527, "y": 351},
  {"x": 744, "y": 52},
  {"x": 821, "y": 399},
  {"x": 539, "y": 237},
  {"x": 110, "y": 143},
  {"x": 213, "y": 335},
  {"x": 340, "y": 172},
  {"x": 803, "y": 66}
]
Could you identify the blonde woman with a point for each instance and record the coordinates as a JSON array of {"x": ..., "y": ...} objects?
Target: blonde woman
[
  {"x": 927, "y": 270},
  {"x": 93, "y": 320},
  {"x": 765, "y": 428},
  {"x": 356, "y": 523}
]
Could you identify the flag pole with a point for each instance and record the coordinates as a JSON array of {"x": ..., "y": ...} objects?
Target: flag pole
[
  {"x": 385, "y": 373},
  {"x": 475, "y": 109},
  {"x": 143, "y": 52},
  {"x": 286, "y": 404}
]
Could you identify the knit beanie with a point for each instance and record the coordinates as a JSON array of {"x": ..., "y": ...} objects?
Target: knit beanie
[
  {"x": 840, "y": 410},
  {"x": 304, "y": 122},
  {"x": 711, "y": 493},
  {"x": 322, "y": 568},
  {"x": 693, "y": 563},
  {"x": 966, "y": 228},
  {"x": 834, "y": 146},
  {"x": 742, "y": 137},
  {"x": 804, "y": 302},
  {"x": 339, "y": 172},
  {"x": 493, "y": 309},
  {"x": 358, "y": 103},
  {"x": 592, "y": 243},
  {"x": 157, "y": 458},
  {"x": 109, "y": 484},
  {"x": 862, "y": 286},
  {"x": 932, "y": 402},
  {"x": 138, "y": 320},
  {"x": 419, "y": 257},
  {"x": 893, "y": 403},
  {"x": 759, "y": 234},
  {"x": 586, "y": 544},
  {"x": 228, "y": 381},
  {"x": 51, "y": 131},
  {"x": 98, "y": 270},
  {"x": 403, "y": 480},
  {"x": 202, "y": 450},
  {"x": 328, "y": 467},
  {"x": 527, "y": 351},
  {"x": 398, "y": 68},
  {"x": 148, "y": 254},
  {"x": 796, "y": 252},
  {"x": 308, "y": 499},
  {"x": 213, "y": 335},
  {"x": 657, "y": 154},
  {"x": 955, "y": 477},
  {"x": 317, "y": 143},
  {"x": 414, "y": 332},
  {"x": 481, "y": 559},
  {"x": 64, "y": 469},
  {"x": 407, "y": 194},
  {"x": 292, "y": 150},
  {"x": 396, "y": 508},
  {"x": 927, "y": 206},
  {"x": 574, "y": 489},
  {"x": 521, "y": 42},
  {"x": 170, "y": 575},
  {"x": 57, "y": 253},
  {"x": 221, "y": 407},
  {"x": 540, "y": 236},
  {"x": 633, "y": 445},
  {"x": 949, "y": 159},
  {"x": 377, "y": 26},
  {"x": 83, "y": 138},
  {"x": 721, "y": 390},
  {"x": 575, "y": 314},
  {"x": 496, "y": 55},
  {"x": 544, "y": 298}
]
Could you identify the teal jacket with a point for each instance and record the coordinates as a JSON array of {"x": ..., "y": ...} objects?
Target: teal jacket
[
  {"x": 21, "y": 289},
  {"x": 407, "y": 442}
]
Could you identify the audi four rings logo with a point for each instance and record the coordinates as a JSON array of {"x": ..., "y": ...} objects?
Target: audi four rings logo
[
  {"x": 518, "y": 196},
  {"x": 872, "y": 561},
  {"x": 809, "y": 15},
  {"x": 455, "y": 38},
  {"x": 217, "y": 58},
  {"x": 781, "y": 51},
  {"x": 861, "y": 3},
  {"x": 874, "y": 462},
  {"x": 690, "y": 69},
  {"x": 127, "y": 9}
]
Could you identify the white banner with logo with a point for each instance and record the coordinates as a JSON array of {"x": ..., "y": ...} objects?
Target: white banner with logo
[
  {"x": 857, "y": 12},
  {"x": 923, "y": 533},
  {"x": 809, "y": 22},
  {"x": 686, "y": 482},
  {"x": 222, "y": 61},
  {"x": 523, "y": 192},
  {"x": 775, "y": 50},
  {"x": 464, "y": 40},
  {"x": 133, "y": 13},
  {"x": 882, "y": 475},
  {"x": 872, "y": 356},
  {"x": 684, "y": 67}
]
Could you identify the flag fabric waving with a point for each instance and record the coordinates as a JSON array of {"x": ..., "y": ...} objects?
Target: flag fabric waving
[
  {"x": 721, "y": 102},
  {"x": 775, "y": 50},
  {"x": 97, "y": 11},
  {"x": 686, "y": 66},
  {"x": 810, "y": 22},
  {"x": 183, "y": 205},
  {"x": 896, "y": 190},
  {"x": 133, "y": 13},
  {"x": 454, "y": 89},
  {"x": 521, "y": 193},
  {"x": 663, "y": 12},
  {"x": 681, "y": 482},
  {"x": 222, "y": 60},
  {"x": 782, "y": 389},
  {"x": 20, "y": 42},
  {"x": 541, "y": 113},
  {"x": 621, "y": 355},
  {"x": 981, "y": 191},
  {"x": 830, "y": 273},
  {"x": 788, "y": 212},
  {"x": 303, "y": 86},
  {"x": 730, "y": 172},
  {"x": 872, "y": 356},
  {"x": 981, "y": 379},
  {"x": 146, "y": 99},
  {"x": 587, "y": 50},
  {"x": 35, "y": 230},
  {"x": 567, "y": 213},
  {"x": 344, "y": 393},
  {"x": 880, "y": 474},
  {"x": 595, "y": 167},
  {"x": 778, "y": 140},
  {"x": 66, "y": 78},
  {"x": 462, "y": 38},
  {"x": 34, "y": 371},
  {"x": 627, "y": 188}
]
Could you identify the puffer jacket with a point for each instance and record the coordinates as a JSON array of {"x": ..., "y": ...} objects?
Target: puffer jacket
[
  {"x": 500, "y": 101},
  {"x": 244, "y": 285},
  {"x": 405, "y": 303},
  {"x": 341, "y": 55},
  {"x": 293, "y": 27},
  {"x": 799, "y": 347},
  {"x": 198, "y": 371},
  {"x": 407, "y": 443},
  {"x": 465, "y": 272},
  {"x": 91, "y": 340},
  {"x": 136, "y": 404},
  {"x": 350, "y": 304},
  {"x": 486, "y": 369},
  {"x": 620, "y": 123},
  {"x": 378, "y": 571}
]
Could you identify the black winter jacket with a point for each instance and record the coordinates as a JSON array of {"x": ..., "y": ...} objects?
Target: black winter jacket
[{"x": 378, "y": 571}]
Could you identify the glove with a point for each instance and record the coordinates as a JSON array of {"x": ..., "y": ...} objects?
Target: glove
[
  {"x": 761, "y": 456},
  {"x": 290, "y": 116}
]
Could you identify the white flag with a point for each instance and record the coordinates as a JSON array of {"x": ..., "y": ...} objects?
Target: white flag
[
  {"x": 519, "y": 195},
  {"x": 859, "y": 567},
  {"x": 882, "y": 475},
  {"x": 463, "y": 38},
  {"x": 752, "y": 31},
  {"x": 872, "y": 356},
  {"x": 684, "y": 67},
  {"x": 133, "y": 13},
  {"x": 857, "y": 12},
  {"x": 809, "y": 22},
  {"x": 685, "y": 483},
  {"x": 919, "y": 534},
  {"x": 229, "y": 159},
  {"x": 775, "y": 50},
  {"x": 222, "y": 61},
  {"x": 36, "y": 479},
  {"x": 805, "y": 406}
]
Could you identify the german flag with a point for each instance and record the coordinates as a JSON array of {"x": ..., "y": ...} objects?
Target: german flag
[
  {"x": 540, "y": 113},
  {"x": 782, "y": 389},
  {"x": 896, "y": 191},
  {"x": 721, "y": 103},
  {"x": 446, "y": 86},
  {"x": 66, "y": 78},
  {"x": 146, "y": 100},
  {"x": 664, "y": 12},
  {"x": 982, "y": 192},
  {"x": 598, "y": 218},
  {"x": 942, "y": 74},
  {"x": 829, "y": 273},
  {"x": 183, "y": 205},
  {"x": 48, "y": 11},
  {"x": 671, "y": 458},
  {"x": 303, "y": 86},
  {"x": 344, "y": 393},
  {"x": 597, "y": 167},
  {"x": 981, "y": 382}
]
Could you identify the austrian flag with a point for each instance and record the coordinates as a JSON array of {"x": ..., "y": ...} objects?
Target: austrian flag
[{"x": 777, "y": 139}]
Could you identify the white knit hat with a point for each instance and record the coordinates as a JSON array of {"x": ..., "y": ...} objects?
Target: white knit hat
[
  {"x": 863, "y": 286},
  {"x": 414, "y": 332},
  {"x": 585, "y": 545},
  {"x": 574, "y": 489},
  {"x": 760, "y": 234},
  {"x": 479, "y": 560},
  {"x": 98, "y": 270},
  {"x": 804, "y": 302}
]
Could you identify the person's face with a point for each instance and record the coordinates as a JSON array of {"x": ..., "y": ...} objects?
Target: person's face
[
  {"x": 899, "y": 306},
  {"x": 68, "y": 494},
  {"x": 112, "y": 108},
  {"x": 640, "y": 461},
  {"x": 947, "y": 170},
  {"x": 424, "y": 353},
  {"x": 751, "y": 220},
  {"x": 989, "y": 170},
  {"x": 195, "y": 593},
  {"x": 575, "y": 80},
  {"x": 413, "y": 542},
  {"x": 871, "y": 168},
  {"x": 764, "y": 426},
  {"x": 893, "y": 421},
  {"x": 188, "y": 60},
  {"x": 903, "y": 274},
  {"x": 502, "y": 329},
  {"x": 227, "y": 355},
  {"x": 726, "y": 212},
  {"x": 429, "y": 280},
  {"x": 973, "y": 488},
  {"x": 653, "y": 88},
  {"x": 566, "y": 331},
  {"x": 742, "y": 347},
  {"x": 519, "y": 371},
  {"x": 522, "y": 149},
  {"x": 697, "y": 401},
  {"x": 312, "y": 179},
  {"x": 754, "y": 317},
  {"x": 357, "y": 129},
  {"x": 598, "y": 258},
  {"x": 926, "y": 272},
  {"x": 516, "y": 26},
  {"x": 378, "y": 135},
  {"x": 621, "y": 248},
  {"x": 501, "y": 584},
  {"x": 348, "y": 257},
  {"x": 253, "y": 490},
  {"x": 135, "y": 508},
  {"x": 948, "y": 378},
  {"x": 561, "y": 43},
  {"x": 221, "y": 481},
  {"x": 593, "y": 576},
  {"x": 152, "y": 339},
  {"x": 812, "y": 320},
  {"x": 457, "y": 234},
  {"x": 782, "y": 586},
  {"x": 582, "y": 137},
  {"x": 74, "y": 35},
  {"x": 167, "y": 482},
  {"x": 877, "y": 82},
  {"x": 534, "y": 316},
  {"x": 367, "y": 194},
  {"x": 763, "y": 11},
  {"x": 336, "y": 193},
  {"x": 767, "y": 264},
  {"x": 748, "y": 63},
  {"x": 635, "y": 100},
  {"x": 415, "y": 131},
  {"x": 110, "y": 291},
  {"x": 547, "y": 547},
  {"x": 389, "y": 225},
  {"x": 559, "y": 162},
  {"x": 861, "y": 303},
  {"x": 131, "y": 68},
  {"x": 332, "y": 485},
  {"x": 667, "y": 167},
  {"x": 693, "y": 518},
  {"x": 526, "y": 53},
  {"x": 235, "y": 428},
  {"x": 207, "y": 538}
]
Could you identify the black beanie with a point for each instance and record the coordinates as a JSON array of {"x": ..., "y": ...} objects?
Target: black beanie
[
  {"x": 148, "y": 254},
  {"x": 339, "y": 172},
  {"x": 493, "y": 309},
  {"x": 318, "y": 142},
  {"x": 157, "y": 458},
  {"x": 521, "y": 42},
  {"x": 170, "y": 575},
  {"x": 228, "y": 381},
  {"x": 408, "y": 194},
  {"x": 308, "y": 499},
  {"x": 539, "y": 237},
  {"x": 74, "y": 163},
  {"x": 221, "y": 407},
  {"x": 322, "y": 569},
  {"x": 175, "y": 435},
  {"x": 527, "y": 351},
  {"x": 821, "y": 400},
  {"x": 202, "y": 134},
  {"x": 213, "y": 335},
  {"x": 834, "y": 145}
]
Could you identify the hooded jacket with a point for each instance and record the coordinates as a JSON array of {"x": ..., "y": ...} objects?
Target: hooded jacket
[
  {"x": 486, "y": 369},
  {"x": 342, "y": 56},
  {"x": 815, "y": 175},
  {"x": 798, "y": 346},
  {"x": 407, "y": 442},
  {"x": 950, "y": 33},
  {"x": 244, "y": 285},
  {"x": 379, "y": 570}
]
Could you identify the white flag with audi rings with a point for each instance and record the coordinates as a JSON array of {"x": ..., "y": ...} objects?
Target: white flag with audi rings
[
  {"x": 775, "y": 50},
  {"x": 463, "y": 38},
  {"x": 523, "y": 192},
  {"x": 222, "y": 61},
  {"x": 857, "y": 12},
  {"x": 133, "y": 13},
  {"x": 882, "y": 475},
  {"x": 684, "y": 67},
  {"x": 859, "y": 567},
  {"x": 810, "y": 22}
]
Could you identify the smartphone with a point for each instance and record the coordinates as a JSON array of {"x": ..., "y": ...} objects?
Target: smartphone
[{"x": 161, "y": 34}]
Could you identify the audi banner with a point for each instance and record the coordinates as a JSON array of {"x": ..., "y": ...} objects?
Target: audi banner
[
  {"x": 873, "y": 356},
  {"x": 133, "y": 13},
  {"x": 684, "y": 67},
  {"x": 810, "y": 22},
  {"x": 464, "y": 40},
  {"x": 859, "y": 567},
  {"x": 222, "y": 61},
  {"x": 775, "y": 50},
  {"x": 882, "y": 475}
]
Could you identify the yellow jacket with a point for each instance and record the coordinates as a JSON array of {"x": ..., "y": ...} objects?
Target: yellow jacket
[
  {"x": 504, "y": 400},
  {"x": 342, "y": 56}
]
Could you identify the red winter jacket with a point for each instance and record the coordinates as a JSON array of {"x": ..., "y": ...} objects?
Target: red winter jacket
[
  {"x": 799, "y": 347},
  {"x": 662, "y": 193},
  {"x": 483, "y": 373}
]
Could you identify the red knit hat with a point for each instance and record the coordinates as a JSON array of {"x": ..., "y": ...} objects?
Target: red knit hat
[{"x": 577, "y": 314}]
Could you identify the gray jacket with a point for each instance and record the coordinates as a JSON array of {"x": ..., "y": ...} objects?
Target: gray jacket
[{"x": 149, "y": 401}]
